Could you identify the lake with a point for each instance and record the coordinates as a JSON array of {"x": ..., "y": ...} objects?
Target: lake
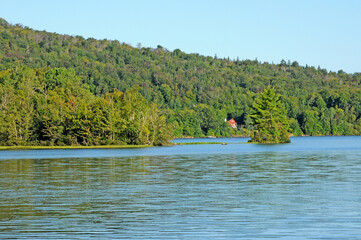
[{"x": 308, "y": 189}]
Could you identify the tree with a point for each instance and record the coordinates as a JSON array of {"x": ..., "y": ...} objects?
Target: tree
[{"x": 269, "y": 118}]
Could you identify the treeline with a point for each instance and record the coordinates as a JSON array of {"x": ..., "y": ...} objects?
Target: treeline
[
  {"x": 195, "y": 93},
  {"x": 53, "y": 107}
]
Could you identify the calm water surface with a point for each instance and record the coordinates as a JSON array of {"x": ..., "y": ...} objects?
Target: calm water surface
[{"x": 309, "y": 189}]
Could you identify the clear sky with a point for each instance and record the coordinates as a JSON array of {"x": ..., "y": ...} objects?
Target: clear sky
[{"x": 314, "y": 32}]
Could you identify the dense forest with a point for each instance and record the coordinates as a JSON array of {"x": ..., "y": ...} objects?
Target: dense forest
[{"x": 61, "y": 89}]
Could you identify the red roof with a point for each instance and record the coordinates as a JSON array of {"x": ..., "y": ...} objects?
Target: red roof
[{"x": 232, "y": 121}]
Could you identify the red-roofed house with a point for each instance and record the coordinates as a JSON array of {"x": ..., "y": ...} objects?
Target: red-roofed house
[{"x": 233, "y": 123}]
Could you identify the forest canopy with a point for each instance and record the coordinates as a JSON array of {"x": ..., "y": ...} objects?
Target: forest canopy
[
  {"x": 45, "y": 76},
  {"x": 53, "y": 107}
]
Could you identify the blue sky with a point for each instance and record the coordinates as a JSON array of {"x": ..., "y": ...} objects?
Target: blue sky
[{"x": 314, "y": 32}]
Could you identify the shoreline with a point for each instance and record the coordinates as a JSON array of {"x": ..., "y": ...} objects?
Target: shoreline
[
  {"x": 71, "y": 147},
  {"x": 4, "y": 148}
]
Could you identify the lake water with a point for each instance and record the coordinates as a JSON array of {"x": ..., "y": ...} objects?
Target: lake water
[{"x": 308, "y": 189}]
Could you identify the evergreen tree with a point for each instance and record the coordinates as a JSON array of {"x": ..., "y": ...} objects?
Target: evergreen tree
[{"x": 269, "y": 117}]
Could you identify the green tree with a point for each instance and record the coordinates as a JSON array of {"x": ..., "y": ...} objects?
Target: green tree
[{"x": 269, "y": 117}]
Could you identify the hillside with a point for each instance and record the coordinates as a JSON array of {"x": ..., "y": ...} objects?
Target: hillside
[{"x": 196, "y": 93}]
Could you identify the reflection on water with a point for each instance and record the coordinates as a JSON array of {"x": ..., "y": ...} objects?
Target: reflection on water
[{"x": 249, "y": 195}]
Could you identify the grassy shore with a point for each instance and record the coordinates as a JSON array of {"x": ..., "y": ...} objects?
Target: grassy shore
[
  {"x": 71, "y": 147},
  {"x": 105, "y": 146},
  {"x": 197, "y": 143},
  {"x": 219, "y": 143}
]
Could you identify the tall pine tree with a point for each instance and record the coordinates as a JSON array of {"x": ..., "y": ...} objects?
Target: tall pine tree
[{"x": 269, "y": 117}]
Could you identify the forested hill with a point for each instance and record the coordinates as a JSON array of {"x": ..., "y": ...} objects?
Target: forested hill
[{"x": 196, "y": 93}]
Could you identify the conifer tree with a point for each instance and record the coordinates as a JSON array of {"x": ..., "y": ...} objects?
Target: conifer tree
[{"x": 269, "y": 117}]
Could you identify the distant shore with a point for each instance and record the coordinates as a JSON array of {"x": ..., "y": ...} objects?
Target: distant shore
[
  {"x": 102, "y": 146},
  {"x": 138, "y": 146},
  {"x": 71, "y": 147}
]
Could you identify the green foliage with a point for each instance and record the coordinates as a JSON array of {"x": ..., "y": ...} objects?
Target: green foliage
[
  {"x": 53, "y": 107},
  {"x": 57, "y": 80},
  {"x": 269, "y": 116}
]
